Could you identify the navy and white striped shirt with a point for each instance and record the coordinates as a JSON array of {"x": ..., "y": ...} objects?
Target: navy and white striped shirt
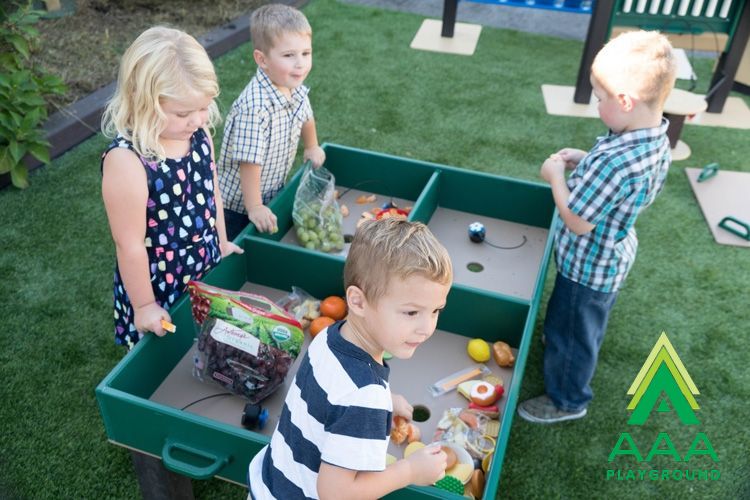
[
  {"x": 338, "y": 410},
  {"x": 615, "y": 181},
  {"x": 263, "y": 127}
]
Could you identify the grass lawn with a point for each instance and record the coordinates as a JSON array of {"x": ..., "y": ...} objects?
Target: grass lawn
[{"x": 369, "y": 90}]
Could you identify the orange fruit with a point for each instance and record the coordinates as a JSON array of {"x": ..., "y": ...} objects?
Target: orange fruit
[
  {"x": 333, "y": 307},
  {"x": 319, "y": 324}
]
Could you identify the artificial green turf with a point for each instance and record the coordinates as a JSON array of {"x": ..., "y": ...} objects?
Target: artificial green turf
[{"x": 370, "y": 91}]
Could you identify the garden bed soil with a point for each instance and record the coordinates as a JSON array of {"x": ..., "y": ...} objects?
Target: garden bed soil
[{"x": 84, "y": 48}]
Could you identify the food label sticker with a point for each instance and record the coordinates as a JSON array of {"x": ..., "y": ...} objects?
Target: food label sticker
[
  {"x": 236, "y": 337},
  {"x": 281, "y": 333}
]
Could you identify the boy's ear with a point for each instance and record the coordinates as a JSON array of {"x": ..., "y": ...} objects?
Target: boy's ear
[
  {"x": 356, "y": 300},
  {"x": 260, "y": 58},
  {"x": 626, "y": 101}
]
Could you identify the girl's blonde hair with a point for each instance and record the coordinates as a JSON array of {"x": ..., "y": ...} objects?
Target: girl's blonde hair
[
  {"x": 394, "y": 248},
  {"x": 161, "y": 63}
]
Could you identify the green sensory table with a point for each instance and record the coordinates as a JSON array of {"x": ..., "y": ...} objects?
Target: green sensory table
[{"x": 151, "y": 403}]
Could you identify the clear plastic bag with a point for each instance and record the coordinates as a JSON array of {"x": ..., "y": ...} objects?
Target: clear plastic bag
[
  {"x": 300, "y": 304},
  {"x": 466, "y": 429},
  {"x": 246, "y": 343},
  {"x": 316, "y": 214}
]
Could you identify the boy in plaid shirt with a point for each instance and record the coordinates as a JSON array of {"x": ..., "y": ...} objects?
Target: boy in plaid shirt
[
  {"x": 595, "y": 242},
  {"x": 265, "y": 123}
]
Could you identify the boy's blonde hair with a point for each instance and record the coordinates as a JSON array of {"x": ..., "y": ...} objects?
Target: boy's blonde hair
[
  {"x": 639, "y": 63},
  {"x": 161, "y": 63},
  {"x": 394, "y": 248},
  {"x": 269, "y": 22}
]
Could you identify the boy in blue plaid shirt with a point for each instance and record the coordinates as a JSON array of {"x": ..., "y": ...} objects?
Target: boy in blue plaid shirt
[
  {"x": 595, "y": 242},
  {"x": 264, "y": 125}
]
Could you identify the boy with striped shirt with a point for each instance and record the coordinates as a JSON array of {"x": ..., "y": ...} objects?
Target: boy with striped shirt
[
  {"x": 332, "y": 435},
  {"x": 595, "y": 242}
]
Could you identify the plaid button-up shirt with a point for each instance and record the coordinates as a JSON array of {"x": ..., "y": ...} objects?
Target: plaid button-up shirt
[
  {"x": 263, "y": 127},
  {"x": 621, "y": 175}
]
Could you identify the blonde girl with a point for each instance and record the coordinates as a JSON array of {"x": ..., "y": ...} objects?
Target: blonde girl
[{"x": 159, "y": 178}]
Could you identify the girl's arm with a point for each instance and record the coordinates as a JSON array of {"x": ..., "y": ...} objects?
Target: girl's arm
[
  {"x": 125, "y": 193},
  {"x": 227, "y": 247}
]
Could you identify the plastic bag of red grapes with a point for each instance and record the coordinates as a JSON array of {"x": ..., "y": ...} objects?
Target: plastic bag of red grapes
[{"x": 246, "y": 343}]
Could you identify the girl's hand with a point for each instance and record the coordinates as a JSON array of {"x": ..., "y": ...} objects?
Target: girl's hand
[
  {"x": 228, "y": 248},
  {"x": 316, "y": 155},
  {"x": 148, "y": 318},
  {"x": 401, "y": 407},
  {"x": 263, "y": 218}
]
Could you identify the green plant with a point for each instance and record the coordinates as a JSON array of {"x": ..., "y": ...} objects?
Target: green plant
[{"x": 23, "y": 86}]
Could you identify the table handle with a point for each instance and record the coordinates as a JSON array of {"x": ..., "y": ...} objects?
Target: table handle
[
  {"x": 206, "y": 472},
  {"x": 708, "y": 171},
  {"x": 736, "y": 226}
]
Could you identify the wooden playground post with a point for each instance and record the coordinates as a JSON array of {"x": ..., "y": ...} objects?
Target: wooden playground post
[
  {"x": 598, "y": 33},
  {"x": 449, "y": 18},
  {"x": 726, "y": 69},
  {"x": 600, "y": 28}
]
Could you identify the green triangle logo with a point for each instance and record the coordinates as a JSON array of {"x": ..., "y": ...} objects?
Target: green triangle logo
[{"x": 663, "y": 382}]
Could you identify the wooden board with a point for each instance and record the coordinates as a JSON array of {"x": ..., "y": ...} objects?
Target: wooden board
[
  {"x": 442, "y": 355},
  {"x": 743, "y": 72},
  {"x": 463, "y": 42},
  {"x": 558, "y": 100},
  {"x": 725, "y": 194},
  {"x": 510, "y": 272}
]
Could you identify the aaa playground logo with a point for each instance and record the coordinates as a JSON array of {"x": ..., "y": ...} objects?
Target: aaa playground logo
[{"x": 662, "y": 384}]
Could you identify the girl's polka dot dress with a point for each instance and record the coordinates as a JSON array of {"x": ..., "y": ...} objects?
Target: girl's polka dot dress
[{"x": 181, "y": 238}]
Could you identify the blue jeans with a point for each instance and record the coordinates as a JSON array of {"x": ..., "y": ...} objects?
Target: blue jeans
[{"x": 574, "y": 329}]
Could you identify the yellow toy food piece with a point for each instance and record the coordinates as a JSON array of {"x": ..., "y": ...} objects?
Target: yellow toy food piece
[
  {"x": 460, "y": 471},
  {"x": 478, "y": 350},
  {"x": 167, "y": 326},
  {"x": 390, "y": 459},
  {"x": 486, "y": 462},
  {"x": 492, "y": 429},
  {"x": 464, "y": 388},
  {"x": 412, "y": 447}
]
